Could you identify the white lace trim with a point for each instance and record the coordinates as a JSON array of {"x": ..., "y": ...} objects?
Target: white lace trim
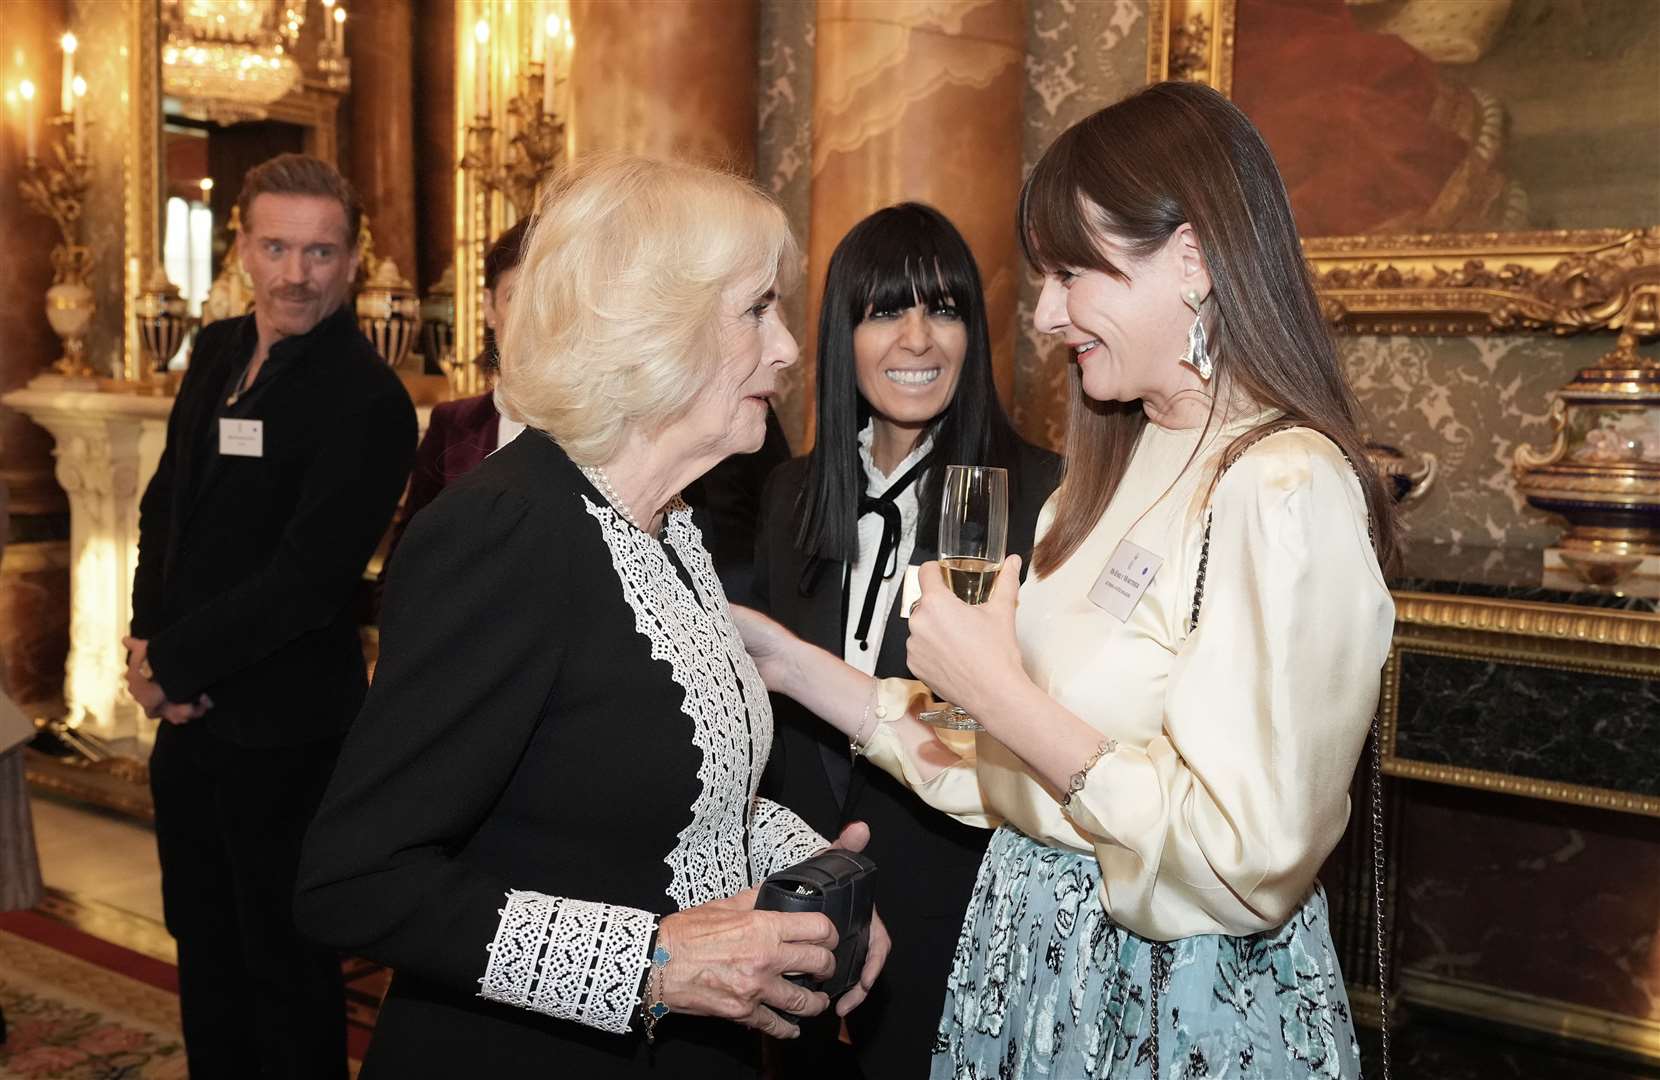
[
  {"x": 692, "y": 630},
  {"x": 778, "y": 838},
  {"x": 570, "y": 959}
]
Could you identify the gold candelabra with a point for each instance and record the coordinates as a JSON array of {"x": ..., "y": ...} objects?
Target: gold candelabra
[
  {"x": 57, "y": 189},
  {"x": 535, "y": 144},
  {"x": 332, "y": 63}
]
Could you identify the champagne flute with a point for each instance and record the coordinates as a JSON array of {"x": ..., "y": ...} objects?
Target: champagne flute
[{"x": 974, "y": 529}]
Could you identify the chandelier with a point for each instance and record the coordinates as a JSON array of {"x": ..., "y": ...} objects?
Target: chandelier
[{"x": 226, "y": 60}]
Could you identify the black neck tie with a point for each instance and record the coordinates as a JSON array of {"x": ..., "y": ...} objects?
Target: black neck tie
[{"x": 885, "y": 505}]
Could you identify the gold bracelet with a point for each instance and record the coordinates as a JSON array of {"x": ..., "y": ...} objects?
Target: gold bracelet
[
  {"x": 855, "y": 745},
  {"x": 1107, "y": 746}
]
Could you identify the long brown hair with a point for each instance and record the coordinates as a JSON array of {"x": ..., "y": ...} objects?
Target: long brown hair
[{"x": 1180, "y": 152}]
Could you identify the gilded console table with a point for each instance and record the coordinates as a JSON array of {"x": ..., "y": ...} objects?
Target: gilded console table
[
  {"x": 1510, "y": 679},
  {"x": 1507, "y": 678}
]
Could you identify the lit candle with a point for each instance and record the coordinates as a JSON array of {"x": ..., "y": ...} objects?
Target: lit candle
[
  {"x": 68, "y": 96},
  {"x": 538, "y": 40},
  {"x": 80, "y": 119},
  {"x": 550, "y": 70},
  {"x": 340, "y": 28},
  {"x": 481, "y": 65},
  {"x": 26, "y": 90},
  {"x": 328, "y": 22}
]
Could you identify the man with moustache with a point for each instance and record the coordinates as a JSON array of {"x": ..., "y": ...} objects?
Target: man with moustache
[{"x": 287, "y": 449}]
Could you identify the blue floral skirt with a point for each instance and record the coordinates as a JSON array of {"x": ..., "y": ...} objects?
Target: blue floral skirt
[{"x": 1045, "y": 984}]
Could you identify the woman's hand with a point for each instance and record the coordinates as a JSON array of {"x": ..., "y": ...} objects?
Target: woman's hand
[
  {"x": 768, "y": 643},
  {"x": 854, "y": 838},
  {"x": 966, "y": 652},
  {"x": 728, "y": 960}
]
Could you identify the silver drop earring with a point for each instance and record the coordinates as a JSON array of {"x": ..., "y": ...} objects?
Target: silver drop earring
[{"x": 1198, "y": 352}]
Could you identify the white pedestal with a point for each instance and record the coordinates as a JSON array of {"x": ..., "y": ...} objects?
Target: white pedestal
[{"x": 108, "y": 445}]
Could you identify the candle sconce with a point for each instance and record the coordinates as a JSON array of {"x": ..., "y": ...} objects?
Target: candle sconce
[
  {"x": 512, "y": 126},
  {"x": 332, "y": 62},
  {"x": 535, "y": 147},
  {"x": 57, "y": 189}
]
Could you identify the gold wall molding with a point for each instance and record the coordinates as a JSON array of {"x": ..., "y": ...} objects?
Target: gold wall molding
[
  {"x": 1599, "y": 626},
  {"x": 141, "y": 163},
  {"x": 1434, "y": 283},
  {"x": 1633, "y": 1035}
]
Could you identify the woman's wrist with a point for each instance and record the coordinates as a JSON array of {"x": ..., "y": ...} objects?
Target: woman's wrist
[
  {"x": 781, "y": 670},
  {"x": 1006, "y": 696}
]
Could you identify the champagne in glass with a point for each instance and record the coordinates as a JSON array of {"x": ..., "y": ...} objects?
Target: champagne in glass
[
  {"x": 970, "y": 579},
  {"x": 974, "y": 529}
]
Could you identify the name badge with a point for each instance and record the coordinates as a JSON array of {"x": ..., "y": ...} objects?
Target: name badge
[
  {"x": 241, "y": 438},
  {"x": 1119, "y": 588},
  {"x": 910, "y": 592}
]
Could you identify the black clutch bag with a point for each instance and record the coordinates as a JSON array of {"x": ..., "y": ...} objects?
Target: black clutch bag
[{"x": 840, "y": 884}]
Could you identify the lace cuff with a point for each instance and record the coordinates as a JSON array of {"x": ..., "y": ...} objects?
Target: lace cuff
[
  {"x": 779, "y": 838},
  {"x": 569, "y": 959}
]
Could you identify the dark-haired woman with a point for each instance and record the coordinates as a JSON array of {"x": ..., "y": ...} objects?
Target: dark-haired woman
[
  {"x": 905, "y": 388},
  {"x": 1174, "y": 715}
]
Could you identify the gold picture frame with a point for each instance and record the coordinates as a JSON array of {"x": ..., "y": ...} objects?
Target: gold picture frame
[{"x": 1563, "y": 281}]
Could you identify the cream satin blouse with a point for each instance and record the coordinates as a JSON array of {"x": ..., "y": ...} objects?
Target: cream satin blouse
[{"x": 1237, "y": 742}]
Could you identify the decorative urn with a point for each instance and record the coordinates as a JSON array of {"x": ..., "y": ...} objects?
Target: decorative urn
[
  {"x": 1602, "y": 472},
  {"x": 163, "y": 318},
  {"x": 389, "y": 312}
]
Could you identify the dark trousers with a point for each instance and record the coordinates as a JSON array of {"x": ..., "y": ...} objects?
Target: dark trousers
[
  {"x": 894, "y": 1029},
  {"x": 256, "y": 1000}
]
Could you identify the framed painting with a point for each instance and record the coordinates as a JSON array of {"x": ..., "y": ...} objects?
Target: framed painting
[{"x": 1454, "y": 167}]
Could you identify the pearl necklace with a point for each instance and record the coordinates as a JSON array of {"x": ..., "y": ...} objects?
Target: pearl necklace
[{"x": 596, "y": 476}]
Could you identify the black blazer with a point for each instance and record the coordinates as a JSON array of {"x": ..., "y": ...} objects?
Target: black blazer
[
  {"x": 247, "y": 566},
  {"x": 927, "y": 861},
  {"x": 797, "y": 767},
  {"x": 726, "y": 502}
]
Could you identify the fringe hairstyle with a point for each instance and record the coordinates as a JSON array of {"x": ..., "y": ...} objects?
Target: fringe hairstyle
[{"x": 899, "y": 256}]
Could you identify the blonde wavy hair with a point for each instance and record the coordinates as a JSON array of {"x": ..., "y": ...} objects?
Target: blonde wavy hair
[{"x": 615, "y": 324}]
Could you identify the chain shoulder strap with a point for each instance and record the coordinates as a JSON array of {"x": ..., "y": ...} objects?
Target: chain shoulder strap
[{"x": 1376, "y": 741}]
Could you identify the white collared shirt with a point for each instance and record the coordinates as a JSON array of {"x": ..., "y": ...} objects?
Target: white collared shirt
[
  {"x": 870, "y": 535},
  {"x": 507, "y": 429}
]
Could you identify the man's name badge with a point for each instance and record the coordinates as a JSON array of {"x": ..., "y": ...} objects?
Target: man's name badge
[
  {"x": 241, "y": 438},
  {"x": 1130, "y": 570}
]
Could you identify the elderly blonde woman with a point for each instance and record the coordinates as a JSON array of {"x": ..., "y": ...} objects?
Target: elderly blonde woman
[{"x": 545, "y": 817}]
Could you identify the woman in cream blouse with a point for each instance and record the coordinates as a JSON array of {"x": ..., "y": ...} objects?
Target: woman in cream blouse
[{"x": 1175, "y": 702}]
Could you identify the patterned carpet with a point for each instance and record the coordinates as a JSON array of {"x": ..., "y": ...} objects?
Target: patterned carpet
[{"x": 79, "y": 1007}]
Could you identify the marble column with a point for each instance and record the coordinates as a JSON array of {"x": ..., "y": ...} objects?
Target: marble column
[
  {"x": 381, "y": 158},
  {"x": 667, "y": 79},
  {"x": 32, "y": 31},
  {"x": 107, "y": 449},
  {"x": 919, "y": 100},
  {"x": 435, "y": 166}
]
